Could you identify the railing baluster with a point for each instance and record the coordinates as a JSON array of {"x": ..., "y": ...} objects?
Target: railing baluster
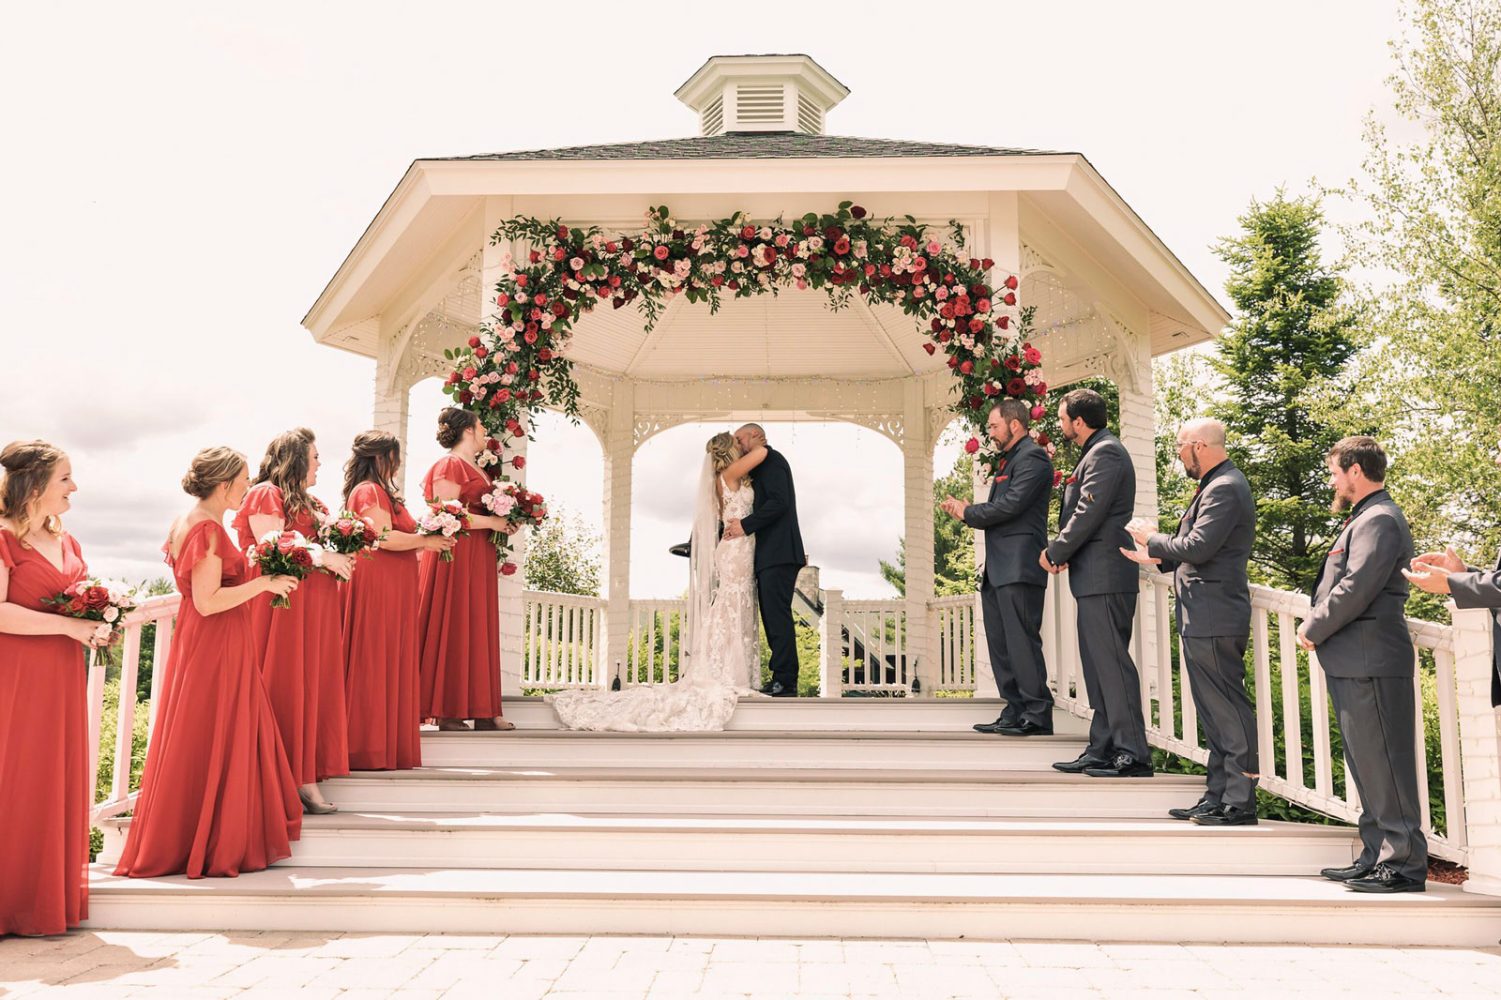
[
  {"x": 1292, "y": 710},
  {"x": 161, "y": 652},
  {"x": 1318, "y": 704},
  {"x": 1420, "y": 740},
  {"x": 1448, "y": 729},
  {"x": 130, "y": 662},
  {"x": 1260, "y": 637},
  {"x": 96, "y": 716},
  {"x": 1166, "y": 708}
]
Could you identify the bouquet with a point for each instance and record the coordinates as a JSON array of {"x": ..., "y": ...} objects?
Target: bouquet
[
  {"x": 348, "y": 534},
  {"x": 443, "y": 517},
  {"x": 518, "y": 507},
  {"x": 103, "y": 601},
  {"x": 285, "y": 553}
]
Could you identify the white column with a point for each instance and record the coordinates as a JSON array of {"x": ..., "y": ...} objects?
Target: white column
[
  {"x": 1138, "y": 432},
  {"x": 393, "y": 389},
  {"x": 917, "y": 471},
  {"x": 831, "y": 646},
  {"x": 620, "y": 452},
  {"x": 1479, "y": 748}
]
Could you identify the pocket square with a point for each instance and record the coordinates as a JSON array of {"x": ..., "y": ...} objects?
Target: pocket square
[{"x": 1335, "y": 552}]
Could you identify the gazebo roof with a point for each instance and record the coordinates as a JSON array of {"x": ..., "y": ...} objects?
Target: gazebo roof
[{"x": 755, "y": 146}]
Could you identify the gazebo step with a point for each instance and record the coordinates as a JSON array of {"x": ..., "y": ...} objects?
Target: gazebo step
[
  {"x": 779, "y": 843},
  {"x": 749, "y": 790},
  {"x": 1179, "y": 908}
]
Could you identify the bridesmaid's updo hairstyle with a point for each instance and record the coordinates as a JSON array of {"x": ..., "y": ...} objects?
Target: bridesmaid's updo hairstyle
[
  {"x": 212, "y": 468},
  {"x": 374, "y": 458},
  {"x": 285, "y": 467},
  {"x": 452, "y": 423},
  {"x": 722, "y": 451},
  {"x": 28, "y": 467}
]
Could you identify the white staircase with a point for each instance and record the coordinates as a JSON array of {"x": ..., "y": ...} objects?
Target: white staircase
[{"x": 850, "y": 818}]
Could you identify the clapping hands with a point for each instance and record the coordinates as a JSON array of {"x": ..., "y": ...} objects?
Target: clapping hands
[
  {"x": 1141, "y": 529},
  {"x": 1430, "y": 571},
  {"x": 953, "y": 507}
]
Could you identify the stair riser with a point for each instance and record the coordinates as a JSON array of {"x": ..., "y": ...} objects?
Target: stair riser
[
  {"x": 826, "y": 715},
  {"x": 769, "y": 753},
  {"x": 1192, "y": 853},
  {"x": 1114, "y": 800},
  {"x": 1103, "y": 920}
]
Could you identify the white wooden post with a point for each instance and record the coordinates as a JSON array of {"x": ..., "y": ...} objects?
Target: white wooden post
[
  {"x": 1479, "y": 747},
  {"x": 1138, "y": 432},
  {"x": 831, "y": 646},
  {"x": 619, "y": 453},
  {"x": 917, "y": 467},
  {"x": 393, "y": 391}
]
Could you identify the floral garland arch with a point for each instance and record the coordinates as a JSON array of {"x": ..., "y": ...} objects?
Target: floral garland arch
[{"x": 518, "y": 361}]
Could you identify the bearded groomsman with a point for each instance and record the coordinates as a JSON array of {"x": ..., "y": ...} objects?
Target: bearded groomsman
[
  {"x": 1471, "y": 587},
  {"x": 1359, "y": 630},
  {"x": 1207, "y": 558},
  {"x": 1014, "y": 517},
  {"x": 1097, "y": 502}
]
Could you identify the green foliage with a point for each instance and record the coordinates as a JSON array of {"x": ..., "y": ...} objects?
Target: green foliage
[
  {"x": 1288, "y": 343},
  {"x": 562, "y": 556},
  {"x": 953, "y": 543},
  {"x": 108, "y": 727}
]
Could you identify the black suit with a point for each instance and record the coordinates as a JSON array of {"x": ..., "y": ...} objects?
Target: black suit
[
  {"x": 779, "y": 558},
  {"x": 1014, "y": 517}
]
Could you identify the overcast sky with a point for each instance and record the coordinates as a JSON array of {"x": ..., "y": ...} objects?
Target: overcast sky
[{"x": 181, "y": 181}]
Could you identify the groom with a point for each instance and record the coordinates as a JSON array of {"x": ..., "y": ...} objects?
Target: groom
[{"x": 779, "y": 555}]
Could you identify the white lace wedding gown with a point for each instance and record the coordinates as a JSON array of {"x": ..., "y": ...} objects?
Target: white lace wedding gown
[{"x": 704, "y": 696}]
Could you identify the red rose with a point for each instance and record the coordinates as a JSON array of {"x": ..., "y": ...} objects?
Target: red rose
[
  {"x": 885, "y": 270},
  {"x": 558, "y": 254},
  {"x": 747, "y": 232},
  {"x": 717, "y": 280},
  {"x": 562, "y": 232},
  {"x": 286, "y": 543},
  {"x": 469, "y": 372},
  {"x": 661, "y": 252},
  {"x": 1041, "y": 388},
  {"x": 1011, "y": 282},
  {"x": 502, "y": 300},
  {"x": 521, "y": 280},
  {"x": 535, "y": 256},
  {"x": 530, "y": 336},
  {"x": 842, "y": 246},
  {"x": 953, "y": 361},
  {"x": 540, "y": 299},
  {"x": 870, "y": 269},
  {"x": 1004, "y": 322},
  {"x": 544, "y": 355},
  {"x": 452, "y": 378},
  {"x": 519, "y": 461},
  {"x": 1010, "y": 299},
  {"x": 559, "y": 308},
  {"x": 1057, "y": 477},
  {"x": 1032, "y": 354},
  {"x": 300, "y": 557},
  {"x": 1038, "y": 412},
  {"x": 929, "y": 348},
  {"x": 481, "y": 353},
  {"x": 976, "y": 325},
  {"x": 508, "y": 569},
  {"x": 495, "y": 402},
  {"x": 473, "y": 341},
  {"x": 990, "y": 389},
  {"x": 1016, "y": 387},
  {"x": 1042, "y": 436},
  {"x": 97, "y": 598},
  {"x": 972, "y": 445},
  {"x": 532, "y": 375},
  {"x": 512, "y": 368},
  {"x": 983, "y": 305},
  {"x": 857, "y": 211},
  {"x": 967, "y": 367}
]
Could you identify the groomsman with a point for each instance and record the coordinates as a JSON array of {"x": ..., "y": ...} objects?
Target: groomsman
[
  {"x": 1471, "y": 587},
  {"x": 1097, "y": 502},
  {"x": 1207, "y": 558},
  {"x": 1014, "y": 517},
  {"x": 1358, "y": 628}
]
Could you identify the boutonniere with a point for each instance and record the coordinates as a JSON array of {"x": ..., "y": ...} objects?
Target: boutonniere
[
  {"x": 1001, "y": 479},
  {"x": 1071, "y": 480}
]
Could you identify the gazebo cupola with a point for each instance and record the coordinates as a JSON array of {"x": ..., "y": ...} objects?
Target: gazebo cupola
[{"x": 775, "y": 93}]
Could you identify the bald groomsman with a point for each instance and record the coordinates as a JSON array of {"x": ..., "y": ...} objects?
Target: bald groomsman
[
  {"x": 1207, "y": 558},
  {"x": 1014, "y": 517},
  {"x": 1359, "y": 630},
  {"x": 1097, "y": 502}
]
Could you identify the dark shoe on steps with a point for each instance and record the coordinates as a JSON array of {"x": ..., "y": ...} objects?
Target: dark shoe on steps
[
  {"x": 1386, "y": 879},
  {"x": 1079, "y": 764},
  {"x": 1122, "y": 765},
  {"x": 1026, "y": 728},
  {"x": 1201, "y": 806},
  {"x": 1003, "y": 722},
  {"x": 1357, "y": 870},
  {"x": 452, "y": 726},
  {"x": 1226, "y": 816},
  {"x": 777, "y": 690}
]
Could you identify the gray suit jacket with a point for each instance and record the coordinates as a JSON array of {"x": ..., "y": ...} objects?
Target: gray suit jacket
[
  {"x": 1015, "y": 516},
  {"x": 1480, "y": 588},
  {"x": 1098, "y": 500},
  {"x": 1358, "y": 621},
  {"x": 1208, "y": 556}
]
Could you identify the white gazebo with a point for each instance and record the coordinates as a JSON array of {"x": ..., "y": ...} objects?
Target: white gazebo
[{"x": 1109, "y": 297}]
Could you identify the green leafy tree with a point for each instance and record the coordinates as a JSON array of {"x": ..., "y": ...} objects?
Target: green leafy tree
[
  {"x": 953, "y": 544},
  {"x": 1184, "y": 384},
  {"x": 563, "y": 556},
  {"x": 1290, "y": 340}
]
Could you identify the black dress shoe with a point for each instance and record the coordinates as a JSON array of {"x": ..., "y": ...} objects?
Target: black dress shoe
[
  {"x": 1079, "y": 764},
  {"x": 1026, "y": 728},
  {"x": 1226, "y": 816},
  {"x": 1386, "y": 879},
  {"x": 776, "y": 690},
  {"x": 1004, "y": 722},
  {"x": 1122, "y": 765},
  {"x": 1201, "y": 806},
  {"x": 1357, "y": 870}
]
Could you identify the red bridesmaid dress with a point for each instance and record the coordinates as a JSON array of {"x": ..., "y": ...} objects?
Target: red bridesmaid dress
[
  {"x": 380, "y": 648},
  {"x": 460, "y": 611},
  {"x": 217, "y": 797},
  {"x": 302, "y": 653},
  {"x": 44, "y": 755}
]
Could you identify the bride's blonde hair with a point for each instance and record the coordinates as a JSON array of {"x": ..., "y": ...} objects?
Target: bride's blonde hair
[{"x": 722, "y": 451}]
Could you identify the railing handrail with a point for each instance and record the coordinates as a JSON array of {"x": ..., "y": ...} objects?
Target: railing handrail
[{"x": 953, "y": 601}]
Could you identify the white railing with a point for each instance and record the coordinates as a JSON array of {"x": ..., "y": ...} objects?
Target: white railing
[
  {"x": 656, "y": 641},
  {"x": 1306, "y": 771},
  {"x": 865, "y": 647},
  {"x": 162, "y": 612},
  {"x": 562, "y": 643},
  {"x": 952, "y": 620}
]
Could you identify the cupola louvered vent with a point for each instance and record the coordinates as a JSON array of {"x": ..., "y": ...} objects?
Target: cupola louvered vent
[{"x": 785, "y": 93}]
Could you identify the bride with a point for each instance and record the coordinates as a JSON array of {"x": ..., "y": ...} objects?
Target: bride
[{"x": 723, "y": 660}]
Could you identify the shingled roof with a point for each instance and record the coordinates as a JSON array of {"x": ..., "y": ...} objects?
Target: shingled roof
[{"x": 754, "y": 146}]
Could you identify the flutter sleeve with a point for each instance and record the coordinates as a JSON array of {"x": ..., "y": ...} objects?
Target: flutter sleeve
[
  {"x": 263, "y": 500},
  {"x": 454, "y": 470},
  {"x": 8, "y": 554},
  {"x": 204, "y": 539},
  {"x": 368, "y": 496}
]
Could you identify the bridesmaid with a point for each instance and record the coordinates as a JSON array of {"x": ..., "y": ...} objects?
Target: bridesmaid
[
  {"x": 301, "y": 647},
  {"x": 381, "y": 650},
  {"x": 460, "y": 613},
  {"x": 217, "y": 797},
  {"x": 44, "y": 751}
]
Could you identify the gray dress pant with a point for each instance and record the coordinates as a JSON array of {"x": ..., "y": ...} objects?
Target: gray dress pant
[
  {"x": 1013, "y": 633},
  {"x": 1217, "y": 680},
  {"x": 1377, "y": 722},
  {"x": 1110, "y": 678}
]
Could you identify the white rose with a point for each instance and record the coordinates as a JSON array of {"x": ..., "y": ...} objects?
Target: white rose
[{"x": 111, "y": 613}]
